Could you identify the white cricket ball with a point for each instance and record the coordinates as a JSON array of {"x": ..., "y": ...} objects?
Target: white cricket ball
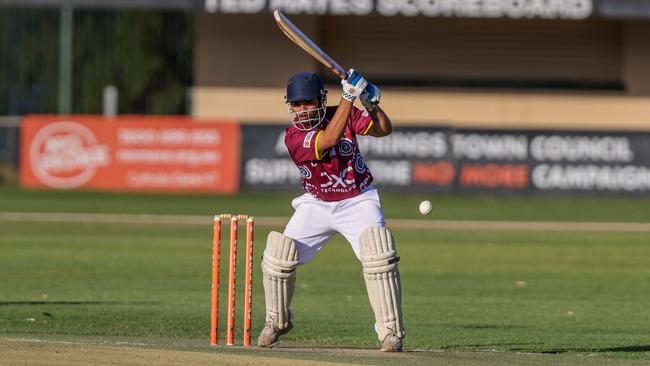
[{"x": 425, "y": 207}]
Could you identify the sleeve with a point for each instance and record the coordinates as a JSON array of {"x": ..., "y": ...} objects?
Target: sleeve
[
  {"x": 360, "y": 121},
  {"x": 302, "y": 145}
]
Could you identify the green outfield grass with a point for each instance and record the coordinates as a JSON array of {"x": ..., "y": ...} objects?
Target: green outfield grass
[
  {"x": 578, "y": 298},
  {"x": 448, "y": 207}
]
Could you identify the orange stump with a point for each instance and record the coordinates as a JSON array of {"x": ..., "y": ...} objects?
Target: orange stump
[
  {"x": 214, "y": 305},
  {"x": 232, "y": 277},
  {"x": 248, "y": 284}
]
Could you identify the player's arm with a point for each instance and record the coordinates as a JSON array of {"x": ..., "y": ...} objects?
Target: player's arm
[
  {"x": 334, "y": 130},
  {"x": 382, "y": 125},
  {"x": 352, "y": 88}
]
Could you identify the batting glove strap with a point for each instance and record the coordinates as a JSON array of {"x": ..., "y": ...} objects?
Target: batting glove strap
[{"x": 349, "y": 97}]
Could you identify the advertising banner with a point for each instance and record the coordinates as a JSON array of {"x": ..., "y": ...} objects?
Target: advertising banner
[
  {"x": 491, "y": 160},
  {"x": 606, "y": 162},
  {"x": 439, "y": 159},
  {"x": 266, "y": 164},
  {"x": 522, "y": 9},
  {"x": 131, "y": 153},
  {"x": 514, "y": 9},
  {"x": 410, "y": 159}
]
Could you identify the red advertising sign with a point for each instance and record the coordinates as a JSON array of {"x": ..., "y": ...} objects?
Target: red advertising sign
[{"x": 132, "y": 153}]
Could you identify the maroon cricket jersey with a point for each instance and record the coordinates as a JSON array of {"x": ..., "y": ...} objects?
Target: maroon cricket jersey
[{"x": 338, "y": 172}]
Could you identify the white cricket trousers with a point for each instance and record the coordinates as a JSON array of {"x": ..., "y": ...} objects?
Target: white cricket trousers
[{"x": 315, "y": 222}]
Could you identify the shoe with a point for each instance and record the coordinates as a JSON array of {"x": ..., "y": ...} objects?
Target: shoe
[
  {"x": 391, "y": 344},
  {"x": 270, "y": 335}
]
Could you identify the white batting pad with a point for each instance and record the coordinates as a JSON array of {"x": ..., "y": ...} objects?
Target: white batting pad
[
  {"x": 379, "y": 259},
  {"x": 279, "y": 267}
]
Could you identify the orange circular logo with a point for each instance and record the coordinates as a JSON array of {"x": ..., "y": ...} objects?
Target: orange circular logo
[{"x": 66, "y": 155}]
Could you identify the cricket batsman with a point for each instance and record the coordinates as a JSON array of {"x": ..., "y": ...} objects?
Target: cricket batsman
[{"x": 339, "y": 198}]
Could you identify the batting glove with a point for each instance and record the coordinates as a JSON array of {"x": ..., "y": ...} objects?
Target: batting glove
[
  {"x": 370, "y": 97},
  {"x": 353, "y": 85}
]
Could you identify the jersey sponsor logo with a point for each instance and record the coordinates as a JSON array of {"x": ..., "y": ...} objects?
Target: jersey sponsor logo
[
  {"x": 307, "y": 141},
  {"x": 346, "y": 147},
  {"x": 335, "y": 181}
]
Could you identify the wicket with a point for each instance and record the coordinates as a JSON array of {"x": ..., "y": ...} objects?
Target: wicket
[{"x": 248, "y": 280}]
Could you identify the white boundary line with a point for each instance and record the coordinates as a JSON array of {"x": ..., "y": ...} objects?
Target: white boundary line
[{"x": 103, "y": 218}]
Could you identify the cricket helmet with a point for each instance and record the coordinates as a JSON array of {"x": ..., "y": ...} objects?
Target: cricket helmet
[{"x": 301, "y": 87}]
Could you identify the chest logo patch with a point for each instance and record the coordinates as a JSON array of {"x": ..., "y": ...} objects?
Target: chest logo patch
[{"x": 307, "y": 141}]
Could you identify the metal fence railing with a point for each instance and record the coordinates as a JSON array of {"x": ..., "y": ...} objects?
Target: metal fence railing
[
  {"x": 146, "y": 54},
  {"x": 9, "y": 142}
]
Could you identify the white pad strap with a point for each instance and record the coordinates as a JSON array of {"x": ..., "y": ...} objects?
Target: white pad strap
[
  {"x": 279, "y": 267},
  {"x": 379, "y": 259}
]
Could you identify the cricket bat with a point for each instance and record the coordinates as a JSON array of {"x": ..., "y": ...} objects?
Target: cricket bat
[{"x": 299, "y": 38}]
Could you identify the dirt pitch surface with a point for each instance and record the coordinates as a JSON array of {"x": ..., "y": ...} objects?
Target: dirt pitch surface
[
  {"x": 50, "y": 353},
  {"x": 55, "y": 352}
]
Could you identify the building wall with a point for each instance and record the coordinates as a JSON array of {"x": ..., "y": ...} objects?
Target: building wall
[
  {"x": 481, "y": 52},
  {"x": 460, "y": 72},
  {"x": 636, "y": 58},
  {"x": 247, "y": 50}
]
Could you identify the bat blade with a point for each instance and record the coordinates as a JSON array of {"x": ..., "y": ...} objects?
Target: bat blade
[{"x": 300, "y": 39}]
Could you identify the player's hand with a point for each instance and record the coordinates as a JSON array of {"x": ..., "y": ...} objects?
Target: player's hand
[
  {"x": 370, "y": 97},
  {"x": 353, "y": 85}
]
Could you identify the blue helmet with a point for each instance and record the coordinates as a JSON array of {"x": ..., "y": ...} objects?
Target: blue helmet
[
  {"x": 301, "y": 87},
  {"x": 304, "y": 86}
]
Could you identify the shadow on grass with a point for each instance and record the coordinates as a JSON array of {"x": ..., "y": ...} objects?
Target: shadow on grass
[
  {"x": 521, "y": 347},
  {"x": 491, "y": 345},
  {"x": 12, "y": 303},
  {"x": 490, "y": 326},
  {"x": 644, "y": 348}
]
